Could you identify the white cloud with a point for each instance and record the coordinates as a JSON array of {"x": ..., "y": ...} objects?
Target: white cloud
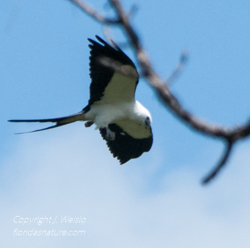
[{"x": 58, "y": 174}]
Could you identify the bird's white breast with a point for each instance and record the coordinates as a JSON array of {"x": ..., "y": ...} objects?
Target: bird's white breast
[{"x": 104, "y": 114}]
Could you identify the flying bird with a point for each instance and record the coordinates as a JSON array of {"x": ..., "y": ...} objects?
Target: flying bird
[{"x": 123, "y": 122}]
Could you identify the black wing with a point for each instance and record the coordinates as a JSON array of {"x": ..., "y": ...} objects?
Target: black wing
[
  {"x": 124, "y": 146},
  {"x": 101, "y": 74}
]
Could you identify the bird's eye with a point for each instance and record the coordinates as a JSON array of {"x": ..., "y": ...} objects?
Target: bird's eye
[{"x": 147, "y": 121}]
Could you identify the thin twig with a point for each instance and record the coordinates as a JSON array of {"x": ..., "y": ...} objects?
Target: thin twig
[
  {"x": 132, "y": 11},
  {"x": 220, "y": 165},
  {"x": 178, "y": 69},
  {"x": 93, "y": 13}
]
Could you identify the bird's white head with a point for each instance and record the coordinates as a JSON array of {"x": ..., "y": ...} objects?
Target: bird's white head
[{"x": 143, "y": 115}]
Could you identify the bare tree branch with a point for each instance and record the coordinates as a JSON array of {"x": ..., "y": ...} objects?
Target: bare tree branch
[
  {"x": 86, "y": 8},
  {"x": 231, "y": 135}
]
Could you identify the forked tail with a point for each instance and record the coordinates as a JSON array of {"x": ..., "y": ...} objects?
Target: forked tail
[{"x": 59, "y": 121}]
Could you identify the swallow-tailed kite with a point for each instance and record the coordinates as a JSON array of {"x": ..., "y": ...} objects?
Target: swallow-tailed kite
[{"x": 123, "y": 122}]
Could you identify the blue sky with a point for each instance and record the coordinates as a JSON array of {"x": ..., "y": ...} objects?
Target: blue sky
[{"x": 155, "y": 200}]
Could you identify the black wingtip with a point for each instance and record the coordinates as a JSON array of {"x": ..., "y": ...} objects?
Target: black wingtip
[
  {"x": 100, "y": 39},
  {"x": 104, "y": 42}
]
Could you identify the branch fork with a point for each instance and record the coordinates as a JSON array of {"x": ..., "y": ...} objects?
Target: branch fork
[{"x": 161, "y": 87}]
